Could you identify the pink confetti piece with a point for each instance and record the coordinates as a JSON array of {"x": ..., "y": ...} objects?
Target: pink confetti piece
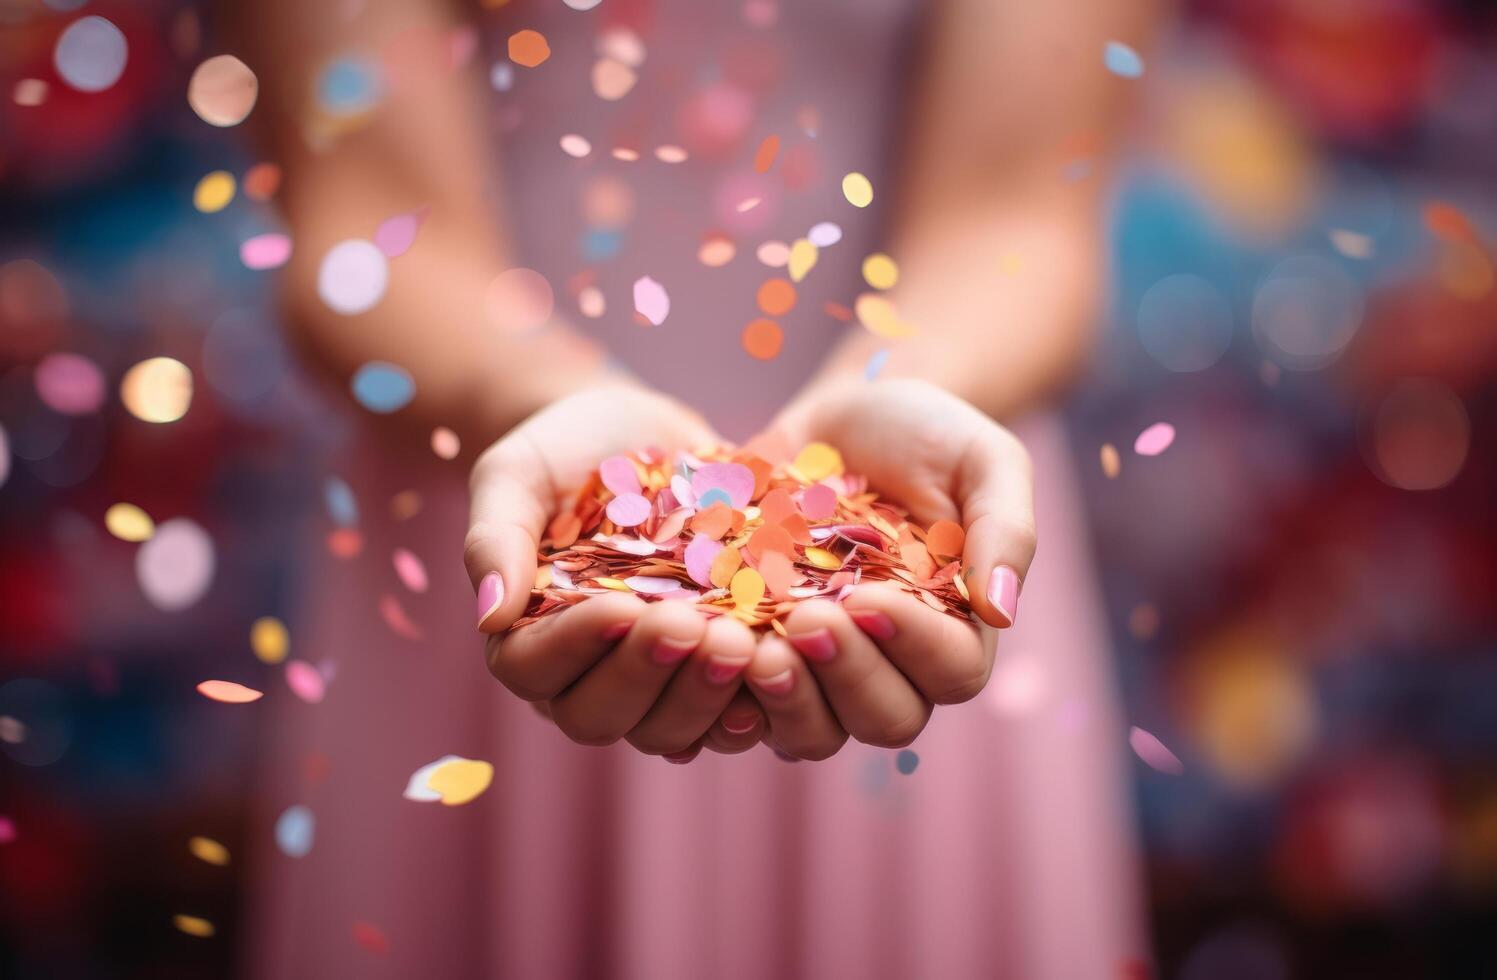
[
  {"x": 1155, "y": 439},
  {"x": 698, "y": 557},
  {"x": 652, "y": 584},
  {"x": 681, "y": 488},
  {"x": 305, "y": 681},
  {"x": 619, "y": 475},
  {"x": 651, "y": 300},
  {"x": 228, "y": 692},
  {"x": 629, "y": 510},
  {"x": 734, "y": 479},
  {"x": 396, "y": 235},
  {"x": 409, "y": 569},
  {"x": 269, "y": 251},
  {"x": 70, "y": 384},
  {"x": 818, "y": 502},
  {"x": 394, "y": 615},
  {"x": 7, "y": 830},
  {"x": 1153, "y": 752}
]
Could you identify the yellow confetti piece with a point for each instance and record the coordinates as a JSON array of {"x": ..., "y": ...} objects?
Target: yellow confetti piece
[
  {"x": 803, "y": 257},
  {"x": 209, "y": 850},
  {"x": 461, "y": 781},
  {"x": 857, "y": 189},
  {"x": 158, "y": 389},
  {"x": 723, "y": 567},
  {"x": 1112, "y": 463},
  {"x": 878, "y": 315},
  {"x": 129, "y": 523},
  {"x": 193, "y": 926},
  {"x": 543, "y": 577},
  {"x": 879, "y": 271},
  {"x": 214, "y": 192},
  {"x": 616, "y": 585},
  {"x": 821, "y": 558},
  {"x": 818, "y": 461},
  {"x": 747, "y": 588},
  {"x": 961, "y": 586},
  {"x": 269, "y": 639}
]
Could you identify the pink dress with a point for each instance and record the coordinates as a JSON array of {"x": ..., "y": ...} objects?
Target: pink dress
[{"x": 1006, "y": 853}]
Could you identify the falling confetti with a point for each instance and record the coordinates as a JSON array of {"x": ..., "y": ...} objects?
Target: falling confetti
[
  {"x": 1122, "y": 60},
  {"x": 213, "y": 192},
  {"x": 1155, "y": 439},
  {"x": 445, "y": 443},
  {"x": 575, "y": 146},
  {"x": 270, "y": 640},
  {"x": 175, "y": 567},
  {"x": 158, "y": 389},
  {"x": 519, "y": 300},
  {"x": 612, "y": 80},
  {"x": 802, "y": 259},
  {"x": 670, "y": 153},
  {"x": 69, "y": 384},
  {"x": 222, "y": 91},
  {"x": 906, "y": 761},
  {"x": 209, "y": 851},
  {"x": 353, "y": 277},
  {"x": 409, "y": 569},
  {"x": 453, "y": 780},
  {"x": 1154, "y": 753},
  {"x": 824, "y": 234},
  {"x": 129, "y": 523},
  {"x": 878, "y": 315},
  {"x": 762, "y": 339},
  {"x": 369, "y": 937},
  {"x": 395, "y": 235},
  {"x": 651, "y": 300},
  {"x": 268, "y": 251},
  {"x": 228, "y": 692},
  {"x": 875, "y": 365},
  {"x": 306, "y": 681},
  {"x": 382, "y": 387},
  {"x": 295, "y": 830},
  {"x": 1112, "y": 463},
  {"x": 764, "y": 156},
  {"x": 879, "y": 271},
  {"x": 857, "y": 189},
  {"x": 776, "y": 297},
  {"x": 193, "y": 926},
  {"x": 716, "y": 251},
  {"x": 528, "y": 48},
  {"x": 90, "y": 54}
]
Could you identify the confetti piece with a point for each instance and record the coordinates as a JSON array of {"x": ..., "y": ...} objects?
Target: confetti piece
[
  {"x": 460, "y": 781},
  {"x": 409, "y": 569},
  {"x": 342, "y": 505},
  {"x": 445, "y": 443},
  {"x": 306, "y": 681},
  {"x": 612, "y": 80},
  {"x": 7, "y": 830},
  {"x": 222, "y": 91},
  {"x": 778, "y": 574},
  {"x": 528, "y": 48},
  {"x": 857, "y": 189},
  {"x": 382, "y": 387},
  {"x": 158, "y": 389},
  {"x": 193, "y": 926},
  {"x": 269, "y": 640},
  {"x": 213, "y": 192},
  {"x": 764, "y": 156},
  {"x": 716, "y": 251},
  {"x": 733, "y": 479},
  {"x": 1351, "y": 244},
  {"x": 582, "y": 4},
  {"x": 774, "y": 254},
  {"x": 824, "y": 234},
  {"x": 875, "y": 365},
  {"x": 1122, "y": 60},
  {"x": 817, "y": 461},
  {"x": 619, "y": 475},
  {"x": 906, "y": 761},
  {"x": 69, "y": 384},
  {"x": 417, "y": 788},
  {"x": 946, "y": 539},
  {"x": 724, "y": 566},
  {"x": 395, "y": 617},
  {"x": 369, "y": 936},
  {"x": 878, "y": 315},
  {"x": 1112, "y": 463},
  {"x": 651, "y": 584},
  {"x": 818, "y": 502},
  {"x": 670, "y": 154},
  {"x": 349, "y": 87},
  {"x": 353, "y": 276},
  {"x": 700, "y": 553},
  {"x": 802, "y": 259},
  {"x": 1154, "y": 753},
  {"x": 208, "y": 850},
  {"x": 776, "y": 297},
  {"x": 268, "y": 251},
  {"x": 31, "y": 92},
  {"x": 90, "y": 54},
  {"x": 629, "y": 510},
  {"x": 129, "y": 523},
  {"x": 746, "y": 588},
  {"x": 1155, "y": 439},
  {"x": 879, "y": 271},
  {"x": 228, "y": 692},
  {"x": 519, "y": 300},
  {"x": 575, "y": 146},
  {"x": 261, "y": 181},
  {"x": 395, "y": 235},
  {"x": 651, "y": 301},
  {"x": 175, "y": 567},
  {"x": 295, "y": 830},
  {"x": 762, "y": 339}
]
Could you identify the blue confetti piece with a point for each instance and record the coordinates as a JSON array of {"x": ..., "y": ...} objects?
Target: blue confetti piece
[
  {"x": 348, "y": 86},
  {"x": 294, "y": 830},
  {"x": 875, "y": 364},
  {"x": 906, "y": 761},
  {"x": 1122, "y": 60},
  {"x": 342, "y": 505},
  {"x": 600, "y": 244},
  {"x": 713, "y": 496},
  {"x": 383, "y": 388}
]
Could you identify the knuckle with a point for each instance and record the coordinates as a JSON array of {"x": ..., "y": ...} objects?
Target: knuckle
[
  {"x": 582, "y": 731},
  {"x": 657, "y": 743},
  {"x": 896, "y": 733},
  {"x": 963, "y": 685}
]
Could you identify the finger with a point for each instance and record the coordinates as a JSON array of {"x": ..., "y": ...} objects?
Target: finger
[
  {"x": 995, "y": 487},
  {"x": 685, "y": 755},
  {"x": 611, "y": 697},
  {"x": 511, "y": 501},
  {"x": 947, "y": 660},
  {"x": 800, "y": 721},
  {"x": 740, "y": 727},
  {"x": 541, "y": 660},
  {"x": 872, "y": 700},
  {"x": 699, "y": 691}
]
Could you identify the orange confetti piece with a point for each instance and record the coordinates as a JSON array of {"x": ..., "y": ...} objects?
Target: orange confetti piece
[
  {"x": 879, "y": 316},
  {"x": 762, "y": 339},
  {"x": 528, "y": 48},
  {"x": 564, "y": 530},
  {"x": 713, "y": 522},
  {"x": 746, "y": 588},
  {"x": 776, "y": 297},
  {"x": 777, "y": 573},
  {"x": 764, "y": 156},
  {"x": 770, "y": 538},
  {"x": 228, "y": 692},
  {"x": 946, "y": 538},
  {"x": 776, "y": 505},
  {"x": 724, "y": 566}
]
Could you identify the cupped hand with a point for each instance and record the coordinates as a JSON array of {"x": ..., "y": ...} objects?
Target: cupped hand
[
  {"x": 612, "y": 666},
  {"x": 873, "y": 665}
]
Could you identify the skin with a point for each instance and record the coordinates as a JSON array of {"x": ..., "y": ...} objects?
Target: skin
[{"x": 982, "y": 192}]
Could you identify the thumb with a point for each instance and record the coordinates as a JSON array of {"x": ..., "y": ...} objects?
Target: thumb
[
  {"x": 996, "y": 493},
  {"x": 511, "y": 498}
]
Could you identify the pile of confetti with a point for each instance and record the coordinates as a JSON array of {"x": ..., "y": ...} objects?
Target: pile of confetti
[{"x": 740, "y": 537}]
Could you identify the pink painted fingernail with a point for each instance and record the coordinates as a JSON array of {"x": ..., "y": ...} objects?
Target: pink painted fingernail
[
  {"x": 490, "y": 595},
  {"x": 741, "y": 724},
  {"x": 779, "y": 685},
  {"x": 1003, "y": 592},
  {"x": 667, "y": 651},
  {"x": 873, "y": 622},
  {"x": 817, "y": 645},
  {"x": 613, "y": 631},
  {"x": 680, "y": 758},
  {"x": 722, "y": 673}
]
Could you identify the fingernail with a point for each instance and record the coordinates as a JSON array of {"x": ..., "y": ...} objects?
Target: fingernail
[
  {"x": 741, "y": 724},
  {"x": 680, "y": 758},
  {"x": 818, "y": 645},
  {"x": 722, "y": 673},
  {"x": 779, "y": 685},
  {"x": 873, "y": 622},
  {"x": 667, "y": 651},
  {"x": 613, "y": 631},
  {"x": 490, "y": 595},
  {"x": 1003, "y": 592}
]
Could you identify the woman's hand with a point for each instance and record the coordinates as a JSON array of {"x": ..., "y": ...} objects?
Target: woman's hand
[
  {"x": 612, "y": 666},
  {"x": 873, "y": 665}
]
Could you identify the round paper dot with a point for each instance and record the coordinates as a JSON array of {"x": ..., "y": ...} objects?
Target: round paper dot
[
  {"x": 175, "y": 567},
  {"x": 1122, "y": 60},
  {"x": 1155, "y": 439},
  {"x": 879, "y": 271},
  {"x": 90, "y": 54},
  {"x": 261, "y": 181},
  {"x": 775, "y": 254},
  {"x": 906, "y": 761},
  {"x": 227, "y": 692},
  {"x": 348, "y": 87},
  {"x": 519, "y": 300},
  {"x": 629, "y": 510},
  {"x": 445, "y": 443},
  {"x": 1153, "y": 752},
  {"x": 158, "y": 389},
  {"x": 213, "y": 192},
  {"x": 396, "y": 234},
  {"x": 306, "y": 682},
  {"x": 857, "y": 189},
  {"x": 129, "y": 523},
  {"x": 294, "y": 831},
  {"x": 382, "y": 387},
  {"x": 528, "y": 48},
  {"x": 590, "y": 302},
  {"x": 269, "y": 640},
  {"x": 612, "y": 80},
  {"x": 651, "y": 300},
  {"x": 353, "y": 276},
  {"x": 575, "y": 146},
  {"x": 192, "y": 925},
  {"x": 670, "y": 153},
  {"x": 268, "y": 251},
  {"x": 582, "y": 4},
  {"x": 776, "y": 297},
  {"x": 762, "y": 339},
  {"x": 409, "y": 569},
  {"x": 30, "y": 92},
  {"x": 824, "y": 234},
  {"x": 222, "y": 91},
  {"x": 69, "y": 384},
  {"x": 208, "y": 850},
  {"x": 716, "y": 251}
]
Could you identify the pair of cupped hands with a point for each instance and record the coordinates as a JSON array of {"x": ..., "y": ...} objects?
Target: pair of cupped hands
[{"x": 672, "y": 681}]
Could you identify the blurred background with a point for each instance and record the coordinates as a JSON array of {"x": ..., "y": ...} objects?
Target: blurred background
[{"x": 1301, "y": 586}]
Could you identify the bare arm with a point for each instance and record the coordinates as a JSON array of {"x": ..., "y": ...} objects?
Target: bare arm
[
  {"x": 1000, "y": 255},
  {"x": 423, "y": 145}
]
